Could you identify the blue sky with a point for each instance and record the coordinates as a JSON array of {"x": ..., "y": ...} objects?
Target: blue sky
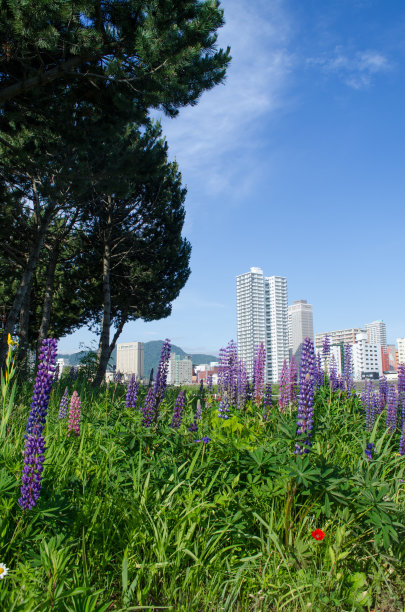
[{"x": 296, "y": 165}]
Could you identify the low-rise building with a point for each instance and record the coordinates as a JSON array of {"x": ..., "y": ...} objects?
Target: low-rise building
[
  {"x": 206, "y": 370},
  {"x": 366, "y": 356},
  {"x": 401, "y": 350},
  {"x": 345, "y": 336},
  {"x": 389, "y": 358}
]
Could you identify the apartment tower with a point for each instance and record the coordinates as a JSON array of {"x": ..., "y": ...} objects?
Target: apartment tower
[
  {"x": 300, "y": 326},
  {"x": 262, "y": 316},
  {"x": 376, "y": 333}
]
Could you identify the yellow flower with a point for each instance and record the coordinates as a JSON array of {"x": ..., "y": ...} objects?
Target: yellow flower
[{"x": 10, "y": 341}]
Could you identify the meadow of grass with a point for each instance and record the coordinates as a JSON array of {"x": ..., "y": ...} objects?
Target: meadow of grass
[{"x": 135, "y": 518}]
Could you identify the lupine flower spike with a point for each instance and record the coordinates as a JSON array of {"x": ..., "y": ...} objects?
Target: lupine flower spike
[
  {"x": 283, "y": 399},
  {"x": 267, "y": 401},
  {"x": 402, "y": 441},
  {"x": 293, "y": 382},
  {"x": 64, "y": 403},
  {"x": 74, "y": 415},
  {"x": 223, "y": 408},
  {"x": 401, "y": 392},
  {"x": 259, "y": 373},
  {"x": 306, "y": 395},
  {"x": 348, "y": 370},
  {"x": 392, "y": 401},
  {"x": 178, "y": 410},
  {"x": 34, "y": 440},
  {"x": 132, "y": 393},
  {"x": 161, "y": 377},
  {"x": 369, "y": 450},
  {"x": 148, "y": 408}
]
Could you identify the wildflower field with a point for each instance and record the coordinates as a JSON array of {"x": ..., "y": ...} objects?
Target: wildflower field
[{"x": 239, "y": 497}]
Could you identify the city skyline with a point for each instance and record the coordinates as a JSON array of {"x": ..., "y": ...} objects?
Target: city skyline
[{"x": 295, "y": 164}]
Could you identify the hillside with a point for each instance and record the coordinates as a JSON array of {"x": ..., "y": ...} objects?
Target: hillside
[{"x": 151, "y": 355}]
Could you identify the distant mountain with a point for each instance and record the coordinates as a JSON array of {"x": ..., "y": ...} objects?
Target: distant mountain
[
  {"x": 152, "y": 353},
  {"x": 153, "y": 350}
]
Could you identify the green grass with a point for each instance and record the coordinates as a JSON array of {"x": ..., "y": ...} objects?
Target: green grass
[{"x": 131, "y": 518}]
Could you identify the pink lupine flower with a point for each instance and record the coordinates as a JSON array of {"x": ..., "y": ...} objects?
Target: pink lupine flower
[{"x": 74, "y": 415}]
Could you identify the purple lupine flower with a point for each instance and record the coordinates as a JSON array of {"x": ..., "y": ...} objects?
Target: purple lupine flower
[
  {"x": 223, "y": 408},
  {"x": 193, "y": 427},
  {"x": 369, "y": 450},
  {"x": 64, "y": 403},
  {"x": 348, "y": 370},
  {"x": 284, "y": 389},
  {"x": 242, "y": 386},
  {"x": 368, "y": 400},
  {"x": 32, "y": 471},
  {"x": 392, "y": 403},
  {"x": 319, "y": 374},
  {"x": 198, "y": 411},
  {"x": 326, "y": 347},
  {"x": 178, "y": 410},
  {"x": 267, "y": 401},
  {"x": 56, "y": 374},
  {"x": 161, "y": 376},
  {"x": 34, "y": 440},
  {"x": 73, "y": 373},
  {"x": 222, "y": 360},
  {"x": 228, "y": 372},
  {"x": 202, "y": 387},
  {"x": 197, "y": 417},
  {"x": 42, "y": 387},
  {"x": 132, "y": 393},
  {"x": 259, "y": 373},
  {"x": 333, "y": 377},
  {"x": 117, "y": 377},
  {"x": 249, "y": 390},
  {"x": 383, "y": 393},
  {"x": 306, "y": 395},
  {"x": 402, "y": 442},
  {"x": 401, "y": 391},
  {"x": 74, "y": 414},
  {"x": 204, "y": 440},
  {"x": 148, "y": 408},
  {"x": 293, "y": 383},
  {"x": 209, "y": 383}
]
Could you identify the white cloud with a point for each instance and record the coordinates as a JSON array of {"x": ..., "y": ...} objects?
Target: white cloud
[
  {"x": 355, "y": 70},
  {"x": 205, "y": 138}
]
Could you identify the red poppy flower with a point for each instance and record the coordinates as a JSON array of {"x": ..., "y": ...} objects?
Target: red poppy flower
[{"x": 318, "y": 534}]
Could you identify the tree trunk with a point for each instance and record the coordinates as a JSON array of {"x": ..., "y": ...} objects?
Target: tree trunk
[
  {"x": 25, "y": 282},
  {"x": 48, "y": 295},
  {"x": 23, "y": 327},
  {"x": 104, "y": 344}
]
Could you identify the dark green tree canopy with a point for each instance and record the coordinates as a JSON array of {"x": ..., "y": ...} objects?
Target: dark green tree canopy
[{"x": 160, "y": 51}]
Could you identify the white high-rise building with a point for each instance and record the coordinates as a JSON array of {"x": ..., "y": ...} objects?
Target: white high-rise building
[
  {"x": 262, "y": 316},
  {"x": 251, "y": 315},
  {"x": 130, "y": 359},
  {"x": 276, "y": 325},
  {"x": 377, "y": 333},
  {"x": 300, "y": 326}
]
